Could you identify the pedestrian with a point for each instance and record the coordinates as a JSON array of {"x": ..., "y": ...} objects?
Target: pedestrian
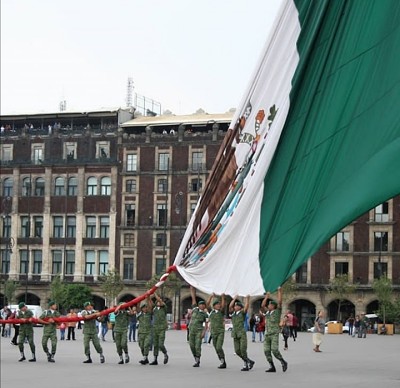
[
  {"x": 272, "y": 313},
  {"x": 197, "y": 327},
  {"x": 295, "y": 326},
  {"x": 25, "y": 331},
  {"x": 62, "y": 331},
  {"x": 285, "y": 331},
  {"x": 71, "y": 325},
  {"x": 111, "y": 324},
  {"x": 319, "y": 331},
  {"x": 290, "y": 323},
  {"x": 350, "y": 321},
  {"x": 14, "y": 340},
  {"x": 121, "y": 332},
  {"x": 50, "y": 330},
  {"x": 217, "y": 326},
  {"x": 5, "y": 313},
  {"x": 160, "y": 326},
  {"x": 103, "y": 326},
  {"x": 364, "y": 324},
  {"x": 238, "y": 313},
  {"x": 90, "y": 315},
  {"x": 132, "y": 325},
  {"x": 145, "y": 330}
]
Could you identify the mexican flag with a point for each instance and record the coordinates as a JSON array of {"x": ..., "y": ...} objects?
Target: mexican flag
[{"x": 314, "y": 144}]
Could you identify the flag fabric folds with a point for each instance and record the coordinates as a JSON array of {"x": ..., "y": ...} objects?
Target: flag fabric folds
[{"x": 314, "y": 144}]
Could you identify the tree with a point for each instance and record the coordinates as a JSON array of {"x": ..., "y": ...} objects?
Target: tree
[
  {"x": 383, "y": 290},
  {"x": 57, "y": 291},
  {"x": 111, "y": 285},
  {"x": 170, "y": 287},
  {"x": 10, "y": 287},
  {"x": 340, "y": 288},
  {"x": 289, "y": 289},
  {"x": 76, "y": 295}
]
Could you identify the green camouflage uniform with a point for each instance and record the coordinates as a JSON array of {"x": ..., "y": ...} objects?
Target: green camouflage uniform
[
  {"x": 272, "y": 331},
  {"x": 144, "y": 332},
  {"x": 90, "y": 334},
  {"x": 160, "y": 325},
  {"x": 121, "y": 331},
  {"x": 25, "y": 331},
  {"x": 199, "y": 317},
  {"x": 239, "y": 334},
  {"x": 50, "y": 331},
  {"x": 217, "y": 330}
]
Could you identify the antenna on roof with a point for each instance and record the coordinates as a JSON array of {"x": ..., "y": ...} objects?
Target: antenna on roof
[{"x": 129, "y": 92}]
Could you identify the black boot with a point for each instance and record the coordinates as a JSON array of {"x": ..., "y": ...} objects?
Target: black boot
[
  {"x": 121, "y": 360},
  {"x": 22, "y": 357},
  {"x": 250, "y": 363},
  {"x": 245, "y": 367},
  {"x": 102, "y": 358},
  {"x": 145, "y": 361},
  {"x": 88, "y": 361},
  {"x": 166, "y": 358},
  {"x": 154, "y": 362},
  {"x": 223, "y": 364},
  {"x": 284, "y": 365},
  {"x": 127, "y": 359},
  {"x": 197, "y": 362},
  {"x": 33, "y": 359},
  {"x": 271, "y": 367},
  {"x": 51, "y": 359}
]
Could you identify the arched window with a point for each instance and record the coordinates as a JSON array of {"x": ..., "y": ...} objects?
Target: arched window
[
  {"x": 8, "y": 187},
  {"x": 72, "y": 186},
  {"x": 106, "y": 185},
  {"x": 92, "y": 186},
  {"x": 59, "y": 186},
  {"x": 39, "y": 187},
  {"x": 26, "y": 187}
]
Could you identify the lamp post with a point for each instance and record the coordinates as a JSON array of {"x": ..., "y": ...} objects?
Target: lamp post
[
  {"x": 8, "y": 240},
  {"x": 179, "y": 211},
  {"x": 28, "y": 236}
]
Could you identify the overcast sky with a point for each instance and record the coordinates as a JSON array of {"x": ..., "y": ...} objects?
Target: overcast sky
[{"x": 186, "y": 54}]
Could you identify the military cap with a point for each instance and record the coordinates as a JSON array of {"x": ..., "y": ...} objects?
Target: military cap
[
  {"x": 238, "y": 303},
  {"x": 202, "y": 302},
  {"x": 21, "y": 304},
  {"x": 216, "y": 301},
  {"x": 87, "y": 304},
  {"x": 274, "y": 302},
  {"x": 51, "y": 302}
]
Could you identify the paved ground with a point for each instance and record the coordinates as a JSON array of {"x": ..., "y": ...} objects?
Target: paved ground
[{"x": 344, "y": 362}]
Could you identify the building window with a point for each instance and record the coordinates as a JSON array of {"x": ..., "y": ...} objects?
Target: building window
[
  {"x": 8, "y": 187},
  {"x": 37, "y": 262},
  {"x": 160, "y": 265},
  {"x": 128, "y": 269},
  {"x": 301, "y": 274},
  {"x": 59, "y": 186},
  {"x": 131, "y": 186},
  {"x": 342, "y": 242},
  {"x": 130, "y": 214},
  {"x": 162, "y": 185},
  {"x": 72, "y": 186},
  {"x": 104, "y": 227},
  {"x": 5, "y": 261},
  {"x": 6, "y": 152},
  {"x": 39, "y": 187},
  {"x": 161, "y": 214},
  {"x": 131, "y": 162},
  {"x": 341, "y": 268},
  {"x": 382, "y": 212},
  {"x": 129, "y": 240},
  {"x": 163, "y": 162},
  {"x": 103, "y": 262},
  {"x": 69, "y": 151},
  {"x": 56, "y": 262},
  {"x": 380, "y": 269},
  {"x": 105, "y": 185},
  {"x": 37, "y": 153},
  {"x": 90, "y": 262},
  {"x": 161, "y": 239},
  {"x": 25, "y": 226},
  {"x": 26, "y": 187},
  {"x": 380, "y": 241},
  {"x": 90, "y": 227},
  {"x": 192, "y": 207},
  {"x": 196, "y": 184},
  {"x": 58, "y": 227},
  {"x": 6, "y": 227},
  {"x": 71, "y": 226},
  {"x": 70, "y": 263},
  {"x": 103, "y": 149},
  {"x": 38, "y": 225},
  {"x": 23, "y": 261},
  {"x": 197, "y": 161},
  {"x": 92, "y": 186}
]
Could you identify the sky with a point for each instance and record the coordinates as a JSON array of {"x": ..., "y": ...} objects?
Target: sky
[{"x": 184, "y": 54}]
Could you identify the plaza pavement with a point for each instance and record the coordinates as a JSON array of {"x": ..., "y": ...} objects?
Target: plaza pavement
[{"x": 373, "y": 362}]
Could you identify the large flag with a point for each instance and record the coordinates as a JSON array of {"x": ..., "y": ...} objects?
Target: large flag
[{"x": 314, "y": 144}]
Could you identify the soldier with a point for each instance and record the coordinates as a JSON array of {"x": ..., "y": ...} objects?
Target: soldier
[
  {"x": 160, "y": 325},
  {"x": 197, "y": 327},
  {"x": 121, "y": 331},
  {"x": 238, "y": 315},
  {"x": 144, "y": 332},
  {"x": 50, "y": 330},
  {"x": 25, "y": 331},
  {"x": 364, "y": 324},
  {"x": 90, "y": 332},
  {"x": 272, "y": 315},
  {"x": 217, "y": 322}
]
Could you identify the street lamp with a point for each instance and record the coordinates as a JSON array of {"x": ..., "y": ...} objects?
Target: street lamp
[
  {"x": 8, "y": 240},
  {"x": 179, "y": 211}
]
